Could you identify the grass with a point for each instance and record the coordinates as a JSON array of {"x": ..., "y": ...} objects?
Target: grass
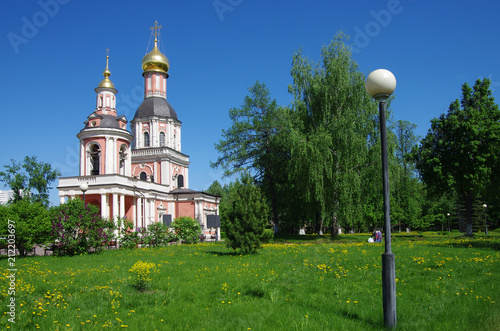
[{"x": 444, "y": 282}]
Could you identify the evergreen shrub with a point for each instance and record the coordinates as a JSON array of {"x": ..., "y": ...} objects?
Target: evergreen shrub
[{"x": 244, "y": 216}]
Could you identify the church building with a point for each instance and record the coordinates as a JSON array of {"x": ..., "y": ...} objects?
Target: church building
[{"x": 140, "y": 174}]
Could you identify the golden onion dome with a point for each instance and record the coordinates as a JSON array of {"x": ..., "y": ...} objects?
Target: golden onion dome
[
  {"x": 106, "y": 82},
  {"x": 155, "y": 61}
]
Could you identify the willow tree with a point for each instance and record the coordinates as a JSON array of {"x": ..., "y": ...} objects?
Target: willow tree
[
  {"x": 330, "y": 125},
  {"x": 461, "y": 150}
]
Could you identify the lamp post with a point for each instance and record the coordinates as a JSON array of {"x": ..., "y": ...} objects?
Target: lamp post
[
  {"x": 485, "y": 223},
  {"x": 448, "y": 216},
  {"x": 380, "y": 84},
  {"x": 84, "y": 187}
]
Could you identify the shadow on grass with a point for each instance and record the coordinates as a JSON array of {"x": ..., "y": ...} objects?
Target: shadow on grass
[
  {"x": 284, "y": 238},
  {"x": 371, "y": 323},
  {"x": 221, "y": 253},
  {"x": 472, "y": 242}
]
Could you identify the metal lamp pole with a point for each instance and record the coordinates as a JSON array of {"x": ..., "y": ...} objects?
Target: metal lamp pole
[{"x": 380, "y": 84}]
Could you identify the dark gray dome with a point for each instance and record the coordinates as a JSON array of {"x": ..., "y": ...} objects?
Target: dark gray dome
[
  {"x": 107, "y": 121},
  {"x": 155, "y": 106}
]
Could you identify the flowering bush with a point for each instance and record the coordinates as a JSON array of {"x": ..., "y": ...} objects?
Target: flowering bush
[
  {"x": 142, "y": 273},
  {"x": 79, "y": 228},
  {"x": 154, "y": 235},
  {"x": 159, "y": 234}
]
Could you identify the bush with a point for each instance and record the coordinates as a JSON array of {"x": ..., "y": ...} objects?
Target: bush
[
  {"x": 142, "y": 274},
  {"x": 154, "y": 235},
  {"x": 244, "y": 216},
  {"x": 78, "y": 228},
  {"x": 160, "y": 234},
  {"x": 268, "y": 236},
  {"x": 187, "y": 229},
  {"x": 30, "y": 224}
]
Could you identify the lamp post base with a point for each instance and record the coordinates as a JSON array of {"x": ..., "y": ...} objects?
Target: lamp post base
[{"x": 389, "y": 289}]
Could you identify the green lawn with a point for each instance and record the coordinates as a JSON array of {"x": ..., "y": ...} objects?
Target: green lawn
[{"x": 444, "y": 282}]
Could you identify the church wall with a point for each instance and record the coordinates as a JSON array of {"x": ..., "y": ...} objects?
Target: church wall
[
  {"x": 186, "y": 208},
  {"x": 175, "y": 171},
  {"x": 142, "y": 167},
  {"x": 93, "y": 199},
  {"x": 129, "y": 207},
  {"x": 157, "y": 172}
]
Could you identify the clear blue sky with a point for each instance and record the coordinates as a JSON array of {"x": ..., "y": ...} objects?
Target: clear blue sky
[{"x": 52, "y": 54}]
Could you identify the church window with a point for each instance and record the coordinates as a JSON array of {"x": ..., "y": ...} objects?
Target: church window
[
  {"x": 146, "y": 139},
  {"x": 180, "y": 181},
  {"x": 123, "y": 158},
  {"x": 162, "y": 139},
  {"x": 143, "y": 176},
  {"x": 95, "y": 153}
]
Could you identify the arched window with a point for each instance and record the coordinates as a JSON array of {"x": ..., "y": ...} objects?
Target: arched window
[
  {"x": 123, "y": 158},
  {"x": 146, "y": 139},
  {"x": 162, "y": 139},
  {"x": 95, "y": 153},
  {"x": 143, "y": 176},
  {"x": 180, "y": 181}
]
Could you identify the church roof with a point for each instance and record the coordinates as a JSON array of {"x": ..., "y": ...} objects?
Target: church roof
[
  {"x": 155, "y": 106},
  {"x": 107, "y": 121}
]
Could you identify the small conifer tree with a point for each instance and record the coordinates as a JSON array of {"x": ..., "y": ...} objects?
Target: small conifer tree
[{"x": 244, "y": 216}]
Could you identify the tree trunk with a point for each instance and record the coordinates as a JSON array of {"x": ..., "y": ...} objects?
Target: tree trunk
[{"x": 335, "y": 227}]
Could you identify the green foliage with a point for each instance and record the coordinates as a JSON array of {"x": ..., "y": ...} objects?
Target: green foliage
[
  {"x": 252, "y": 142},
  {"x": 244, "y": 216},
  {"x": 30, "y": 180},
  {"x": 142, "y": 274},
  {"x": 461, "y": 150},
  {"x": 78, "y": 228},
  {"x": 32, "y": 224},
  {"x": 154, "y": 235},
  {"x": 215, "y": 188},
  {"x": 331, "y": 124},
  {"x": 128, "y": 237},
  {"x": 160, "y": 234},
  {"x": 267, "y": 236},
  {"x": 187, "y": 229}
]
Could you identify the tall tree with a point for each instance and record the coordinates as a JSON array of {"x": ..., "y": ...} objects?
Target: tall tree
[
  {"x": 215, "y": 188},
  {"x": 407, "y": 190},
  {"x": 462, "y": 147},
  {"x": 332, "y": 120},
  {"x": 31, "y": 222},
  {"x": 30, "y": 180},
  {"x": 248, "y": 143}
]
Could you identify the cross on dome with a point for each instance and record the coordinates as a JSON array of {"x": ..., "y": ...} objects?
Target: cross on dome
[{"x": 155, "y": 28}]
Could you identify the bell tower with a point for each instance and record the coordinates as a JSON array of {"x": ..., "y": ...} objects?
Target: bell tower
[
  {"x": 105, "y": 140},
  {"x": 156, "y": 146}
]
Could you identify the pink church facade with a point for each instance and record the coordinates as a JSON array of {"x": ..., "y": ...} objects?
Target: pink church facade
[{"x": 140, "y": 174}]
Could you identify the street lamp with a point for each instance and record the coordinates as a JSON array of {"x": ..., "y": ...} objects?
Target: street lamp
[
  {"x": 485, "y": 224},
  {"x": 380, "y": 84},
  {"x": 84, "y": 187},
  {"x": 448, "y": 216}
]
